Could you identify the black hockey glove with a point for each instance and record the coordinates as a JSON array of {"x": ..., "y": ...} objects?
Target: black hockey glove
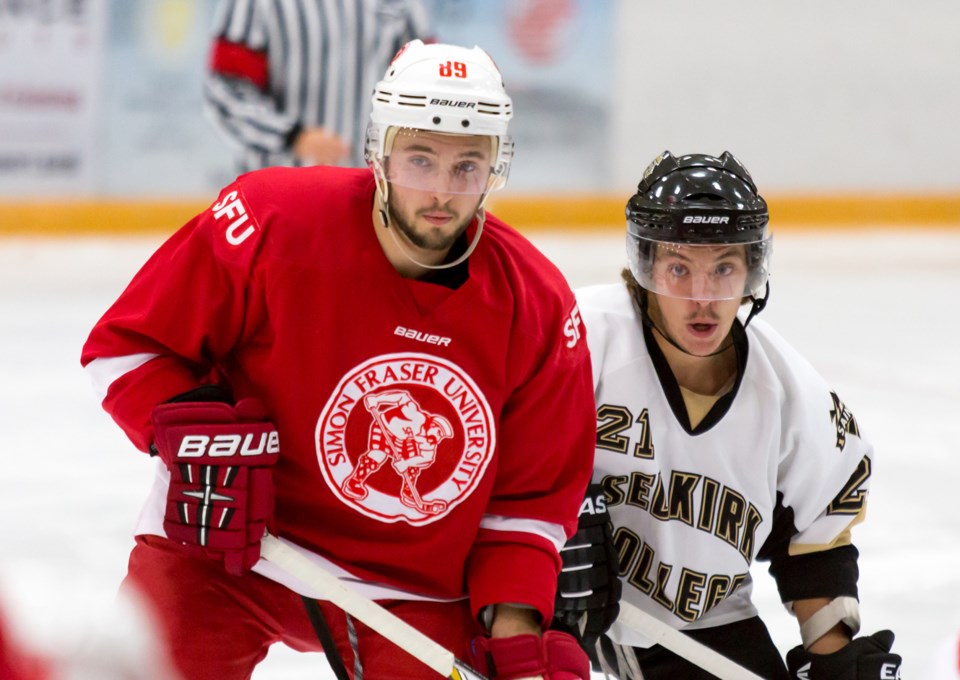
[
  {"x": 588, "y": 588},
  {"x": 864, "y": 658}
]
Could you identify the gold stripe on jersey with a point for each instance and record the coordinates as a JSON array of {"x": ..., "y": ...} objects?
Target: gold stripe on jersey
[{"x": 843, "y": 538}]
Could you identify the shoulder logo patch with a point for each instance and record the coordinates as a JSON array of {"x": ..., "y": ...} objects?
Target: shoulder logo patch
[
  {"x": 232, "y": 212},
  {"x": 843, "y": 420}
]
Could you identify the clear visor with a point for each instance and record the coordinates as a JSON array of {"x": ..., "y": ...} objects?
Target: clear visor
[
  {"x": 700, "y": 271},
  {"x": 438, "y": 162}
]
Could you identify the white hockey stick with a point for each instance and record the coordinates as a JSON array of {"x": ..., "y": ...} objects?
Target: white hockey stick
[
  {"x": 682, "y": 645},
  {"x": 364, "y": 609}
]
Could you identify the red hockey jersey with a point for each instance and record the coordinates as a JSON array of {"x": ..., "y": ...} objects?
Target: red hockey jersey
[{"x": 480, "y": 398}]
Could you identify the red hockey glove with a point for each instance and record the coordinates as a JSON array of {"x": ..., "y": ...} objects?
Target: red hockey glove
[
  {"x": 864, "y": 658},
  {"x": 221, "y": 489},
  {"x": 555, "y": 656}
]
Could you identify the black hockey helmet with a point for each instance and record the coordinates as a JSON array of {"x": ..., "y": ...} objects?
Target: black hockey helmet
[{"x": 698, "y": 199}]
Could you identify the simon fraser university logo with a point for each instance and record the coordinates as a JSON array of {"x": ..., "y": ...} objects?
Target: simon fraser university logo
[{"x": 405, "y": 437}]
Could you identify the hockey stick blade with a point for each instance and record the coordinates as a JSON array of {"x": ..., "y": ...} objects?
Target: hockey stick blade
[
  {"x": 394, "y": 629},
  {"x": 682, "y": 645}
]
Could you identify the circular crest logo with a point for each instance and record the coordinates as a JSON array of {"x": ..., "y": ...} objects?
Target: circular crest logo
[{"x": 405, "y": 437}]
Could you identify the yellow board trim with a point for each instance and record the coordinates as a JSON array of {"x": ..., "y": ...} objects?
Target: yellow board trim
[
  {"x": 524, "y": 211},
  {"x": 786, "y": 211},
  {"x": 56, "y": 218}
]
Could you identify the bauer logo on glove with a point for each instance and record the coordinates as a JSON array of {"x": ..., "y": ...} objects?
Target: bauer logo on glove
[{"x": 225, "y": 445}]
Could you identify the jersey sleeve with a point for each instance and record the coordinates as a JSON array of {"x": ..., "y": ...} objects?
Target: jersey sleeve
[
  {"x": 178, "y": 318},
  {"x": 823, "y": 482},
  {"x": 546, "y": 441},
  {"x": 829, "y": 572},
  {"x": 237, "y": 93}
]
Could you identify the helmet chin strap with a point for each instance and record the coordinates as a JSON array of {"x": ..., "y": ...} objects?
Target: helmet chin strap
[
  {"x": 756, "y": 307},
  {"x": 382, "y": 190},
  {"x": 405, "y": 249},
  {"x": 758, "y": 304}
]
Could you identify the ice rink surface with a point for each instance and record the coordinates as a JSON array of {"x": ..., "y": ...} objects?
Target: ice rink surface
[{"x": 876, "y": 312}]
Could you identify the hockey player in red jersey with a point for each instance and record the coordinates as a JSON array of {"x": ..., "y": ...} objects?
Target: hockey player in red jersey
[
  {"x": 717, "y": 445},
  {"x": 375, "y": 369},
  {"x": 17, "y": 662}
]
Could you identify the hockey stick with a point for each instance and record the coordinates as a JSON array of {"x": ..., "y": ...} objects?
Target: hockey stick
[
  {"x": 682, "y": 645},
  {"x": 388, "y": 625}
]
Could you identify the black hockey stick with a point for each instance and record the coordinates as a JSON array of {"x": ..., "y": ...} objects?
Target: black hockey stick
[{"x": 394, "y": 629}]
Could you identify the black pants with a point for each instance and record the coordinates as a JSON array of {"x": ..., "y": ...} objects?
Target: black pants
[{"x": 746, "y": 642}]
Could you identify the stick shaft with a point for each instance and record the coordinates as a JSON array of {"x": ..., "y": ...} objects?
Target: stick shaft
[
  {"x": 682, "y": 645},
  {"x": 398, "y": 631}
]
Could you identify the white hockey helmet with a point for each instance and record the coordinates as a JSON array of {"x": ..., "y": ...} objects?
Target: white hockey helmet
[{"x": 445, "y": 89}]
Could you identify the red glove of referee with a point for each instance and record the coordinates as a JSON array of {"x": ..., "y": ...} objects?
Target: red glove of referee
[{"x": 220, "y": 498}]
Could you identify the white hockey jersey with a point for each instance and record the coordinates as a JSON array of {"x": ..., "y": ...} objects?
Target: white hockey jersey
[{"x": 692, "y": 507}]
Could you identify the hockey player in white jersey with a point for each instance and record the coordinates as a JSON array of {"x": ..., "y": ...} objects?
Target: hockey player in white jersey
[{"x": 717, "y": 445}]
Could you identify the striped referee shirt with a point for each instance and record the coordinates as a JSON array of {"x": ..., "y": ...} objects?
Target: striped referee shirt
[{"x": 278, "y": 66}]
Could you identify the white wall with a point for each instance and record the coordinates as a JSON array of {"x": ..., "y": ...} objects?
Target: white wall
[{"x": 820, "y": 95}]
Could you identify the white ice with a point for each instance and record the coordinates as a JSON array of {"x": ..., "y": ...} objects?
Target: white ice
[{"x": 875, "y": 311}]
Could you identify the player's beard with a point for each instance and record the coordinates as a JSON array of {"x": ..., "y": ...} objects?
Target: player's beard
[{"x": 435, "y": 238}]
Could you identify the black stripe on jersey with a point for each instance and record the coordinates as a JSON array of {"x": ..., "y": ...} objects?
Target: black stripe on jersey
[
  {"x": 671, "y": 388},
  {"x": 827, "y": 573}
]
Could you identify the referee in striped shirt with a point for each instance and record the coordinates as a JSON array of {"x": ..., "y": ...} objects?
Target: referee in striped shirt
[{"x": 290, "y": 81}]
